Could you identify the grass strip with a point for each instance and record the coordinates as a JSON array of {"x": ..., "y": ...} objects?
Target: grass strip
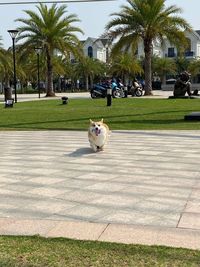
[
  {"x": 124, "y": 114},
  {"x": 44, "y": 252}
]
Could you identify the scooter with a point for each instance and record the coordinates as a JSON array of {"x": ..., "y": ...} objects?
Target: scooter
[
  {"x": 98, "y": 91},
  {"x": 136, "y": 89},
  {"x": 117, "y": 90}
]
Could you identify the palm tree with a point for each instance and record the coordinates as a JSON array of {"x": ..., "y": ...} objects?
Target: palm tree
[
  {"x": 125, "y": 66},
  {"x": 182, "y": 63},
  {"x": 194, "y": 67},
  {"x": 30, "y": 67},
  {"x": 52, "y": 30},
  {"x": 6, "y": 66},
  {"x": 6, "y": 69},
  {"x": 146, "y": 21},
  {"x": 89, "y": 68},
  {"x": 163, "y": 66}
]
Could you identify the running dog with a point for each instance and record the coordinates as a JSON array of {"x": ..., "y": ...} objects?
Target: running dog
[{"x": 98, "y": 133}]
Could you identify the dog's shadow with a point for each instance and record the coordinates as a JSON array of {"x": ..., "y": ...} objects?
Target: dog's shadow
[{"x": 81, "y": 152}]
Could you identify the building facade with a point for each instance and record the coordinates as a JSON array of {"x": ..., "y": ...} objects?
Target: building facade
[{"x": 99, "y": 48}]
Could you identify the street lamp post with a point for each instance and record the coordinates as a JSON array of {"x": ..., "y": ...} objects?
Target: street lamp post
[
  {"x": 13, "y": 35},
  {"x": 38, "y": 51}
]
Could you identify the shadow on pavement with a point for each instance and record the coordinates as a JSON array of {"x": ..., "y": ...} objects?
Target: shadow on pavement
[{"x": 80, "y": 152}]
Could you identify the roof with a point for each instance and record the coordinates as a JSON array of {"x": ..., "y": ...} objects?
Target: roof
[
  {"x": 100, "y": 42},
  {"x": 198, "y": 32}
]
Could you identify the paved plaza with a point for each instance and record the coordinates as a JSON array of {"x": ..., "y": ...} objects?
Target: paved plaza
[{"x": 144, "y": 188}]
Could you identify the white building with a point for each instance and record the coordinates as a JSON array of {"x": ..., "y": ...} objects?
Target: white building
[
  {"x": 97, "y": 48},
  {"x": 169, "y": 50},
  {"x": 192, "y": 51}
]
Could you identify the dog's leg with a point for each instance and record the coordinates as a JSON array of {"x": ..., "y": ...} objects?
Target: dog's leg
[
  {"x": 94, "y": 147},
  {"x": 101, "y": 148}
]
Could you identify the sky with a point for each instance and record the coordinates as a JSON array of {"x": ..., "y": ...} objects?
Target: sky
[{"x": 94, "y": 16}]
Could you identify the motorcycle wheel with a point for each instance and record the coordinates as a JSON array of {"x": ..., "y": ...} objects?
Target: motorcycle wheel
[
  {"x": 116, "y": 94},
  {"x": 93, "y": 95},
  {"x": 122, "y": 93},
  {"x": 138, "y": 92}
]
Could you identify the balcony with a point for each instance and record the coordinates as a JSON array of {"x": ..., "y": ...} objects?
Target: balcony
[{"x": 189, "y": 54}]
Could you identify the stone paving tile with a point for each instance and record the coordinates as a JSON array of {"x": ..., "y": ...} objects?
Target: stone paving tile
[
  {"x": 77, "y": 230},
  {"x": 48, "y": 192},
  {"x": 25, "y": 227},
  {"x": 51, "y": 206},
  {"x": 193, "y": 206},
  {"x": 190, "y": 220},
  {"x": 151, "y": 236},
  {"x": 95, "y": 176},
  {"x": 115, "y": 200},
  {"x": 84, "y": 212}
]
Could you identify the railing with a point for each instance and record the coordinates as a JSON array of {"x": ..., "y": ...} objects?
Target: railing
[{"x": 189, "y": 54}]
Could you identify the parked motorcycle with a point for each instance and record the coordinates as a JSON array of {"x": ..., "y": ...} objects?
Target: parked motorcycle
[
  {"x": 117, "y": 90},
  {"x": 136, "y": 89},
  {"x": 100, "y": 90}
]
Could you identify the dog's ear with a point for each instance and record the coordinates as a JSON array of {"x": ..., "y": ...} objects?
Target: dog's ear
[
  {"x": 102, "y": 120},
  {"x": 91, "y": 121}
]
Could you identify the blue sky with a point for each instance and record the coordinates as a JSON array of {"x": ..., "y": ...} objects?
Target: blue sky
[{"x": 93, "y": 16}]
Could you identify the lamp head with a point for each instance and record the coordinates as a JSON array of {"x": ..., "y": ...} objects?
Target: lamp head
[
  {"x": 13, "y": 33},
  {"x": 38, "y": 50}
]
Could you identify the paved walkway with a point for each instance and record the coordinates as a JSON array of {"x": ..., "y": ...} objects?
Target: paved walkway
[
  {"x": 30, "y": 97},
  {"x": 144, "y": 188}
]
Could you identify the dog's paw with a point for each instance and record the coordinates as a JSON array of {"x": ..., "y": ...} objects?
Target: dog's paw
[
  {"x": 94, "y": 148},
  {"x": 100, "y": 148}
]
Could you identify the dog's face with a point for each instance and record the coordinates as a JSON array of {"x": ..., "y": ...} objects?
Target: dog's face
[{"x": 96, "y": 127}]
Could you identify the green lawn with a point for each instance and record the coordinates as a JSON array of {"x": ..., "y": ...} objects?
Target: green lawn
[
  {"x": 60, "y": 252},
  {"x": 130, "y": 113}
]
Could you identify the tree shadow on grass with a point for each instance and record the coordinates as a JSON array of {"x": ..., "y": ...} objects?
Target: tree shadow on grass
[
  {"x": 39, "y": 124},
  {"x": 147, "y": 121}
]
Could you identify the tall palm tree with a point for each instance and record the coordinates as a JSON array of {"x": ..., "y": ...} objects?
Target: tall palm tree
[
  {"x": 6, "y": 67},
  {"x": 146, "y": 21},
  {"x": 52, "y": 30}
]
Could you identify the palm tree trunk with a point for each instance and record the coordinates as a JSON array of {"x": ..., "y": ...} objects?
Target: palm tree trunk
[
  {"x": 147, "y": 65},
  {"x": 91, "y": 82},
  {"x": 7, "y": 89},
  {"x": 50, "y": 91},
  {"x": 87, "y": 82}
]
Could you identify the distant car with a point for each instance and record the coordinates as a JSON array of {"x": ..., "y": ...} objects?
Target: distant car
[{"x": 171, "y": 81}]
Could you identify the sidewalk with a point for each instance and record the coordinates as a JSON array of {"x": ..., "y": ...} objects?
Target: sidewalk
[
  {"x": 31, "y": 97},
  {"x": 144, "y": 188}
]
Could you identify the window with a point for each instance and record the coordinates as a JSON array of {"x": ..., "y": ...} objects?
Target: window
[
  {"x": 171, "y": 52},
  {"x": 90, "y": 52}
]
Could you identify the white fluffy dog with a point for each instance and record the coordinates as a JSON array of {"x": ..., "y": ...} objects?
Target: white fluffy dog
[{"x": 98, "y": 133}]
